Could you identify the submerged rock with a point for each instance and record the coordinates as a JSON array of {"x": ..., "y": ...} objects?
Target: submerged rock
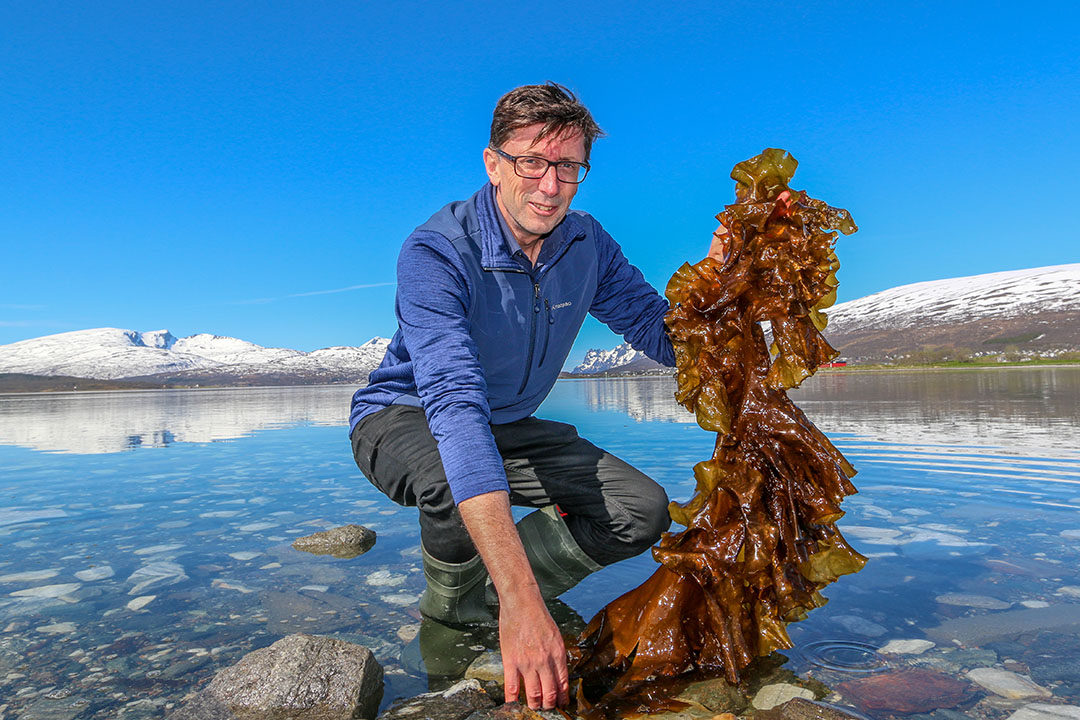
[
  {"x": 905, "y": 647},
  {"x": 906, "y": 691},
  {"x": 1044, "y": 711},
  {"x": 1006, "y": 684},
  {"x": 770, "y": 696},
  {"x": 344, "y": 542},
  {"x": 803, "y": 709},
  {"x": 300, "y": 677},
  {"x": 453, "y": 703},
  {"x": 976, "y": 601}
]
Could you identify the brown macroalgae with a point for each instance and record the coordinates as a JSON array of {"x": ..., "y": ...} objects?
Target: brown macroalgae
[{"x": 761, "y": 538}]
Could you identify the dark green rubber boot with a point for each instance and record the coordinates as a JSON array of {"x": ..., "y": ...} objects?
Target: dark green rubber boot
[
  {"x": 456, "y": 592},
  {"x": 558, "y": 563}
]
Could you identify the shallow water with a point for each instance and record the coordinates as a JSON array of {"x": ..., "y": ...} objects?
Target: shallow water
[{"x": 144, "y": 536}]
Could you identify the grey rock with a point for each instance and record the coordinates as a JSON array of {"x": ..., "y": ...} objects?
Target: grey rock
[
  {"x": 980, "y": 630},
  {"x": 300, "y": 677},
  {"x": 982, "y": 602},
  {"x": 487, "y": 668},
  {"x": 1007, "y": 684},
  {"x": 905, "y": 647},
  {"x": 802, "y": 709},
  {"x": 341, "y": 542},
  {"x": 860, "y": 626},
  {"x": 1044, "y": 711},
  {"x": 770, "y": 696},
  {"x": 454, "y": 703}
]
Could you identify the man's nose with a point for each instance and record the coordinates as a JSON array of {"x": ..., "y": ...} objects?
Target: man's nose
[{"x": 549, "y": 182}]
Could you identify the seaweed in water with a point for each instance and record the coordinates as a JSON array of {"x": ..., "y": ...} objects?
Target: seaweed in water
[{"x": 761, "y": 538}]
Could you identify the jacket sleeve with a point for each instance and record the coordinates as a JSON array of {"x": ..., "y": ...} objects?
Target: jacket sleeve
[
  {"x": 629, "y": 305},
  {"x": 432, "y": 310}
]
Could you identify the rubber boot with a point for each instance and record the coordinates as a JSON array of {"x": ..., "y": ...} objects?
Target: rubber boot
[
  {"x": 441, "y": 652},
  {"x": 456, "y": 593},
  {"x": 557, "y": 561}
]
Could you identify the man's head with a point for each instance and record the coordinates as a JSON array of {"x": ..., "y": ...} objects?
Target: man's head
[
  {"x": 550, "y": 105},
  {"x": 541, "y": 121}
]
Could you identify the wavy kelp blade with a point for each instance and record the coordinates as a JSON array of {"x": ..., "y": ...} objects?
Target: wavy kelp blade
[{"x": 760, "y": 539}]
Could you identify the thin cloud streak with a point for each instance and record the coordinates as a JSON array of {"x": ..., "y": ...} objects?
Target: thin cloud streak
[
  {"x": 264, "y": 301},
  {"x": 344, "y": 289}
]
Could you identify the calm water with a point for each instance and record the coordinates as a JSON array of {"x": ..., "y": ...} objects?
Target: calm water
[{"x": 144, "y": 536}]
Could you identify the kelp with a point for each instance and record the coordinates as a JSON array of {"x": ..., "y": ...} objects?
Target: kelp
[{"x": 761, "y": 538}]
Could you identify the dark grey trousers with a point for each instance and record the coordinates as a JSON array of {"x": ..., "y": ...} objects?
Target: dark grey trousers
[{"x": 613, "y": 510}]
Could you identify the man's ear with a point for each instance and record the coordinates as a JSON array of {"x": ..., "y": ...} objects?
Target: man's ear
[{"x": 491, "y": 164}]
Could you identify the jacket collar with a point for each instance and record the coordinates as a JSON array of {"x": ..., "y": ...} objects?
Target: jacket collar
[{"x": 496, "y": 250}]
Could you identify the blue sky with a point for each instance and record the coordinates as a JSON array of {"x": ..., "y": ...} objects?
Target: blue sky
[{"x": 250, "y": 169}]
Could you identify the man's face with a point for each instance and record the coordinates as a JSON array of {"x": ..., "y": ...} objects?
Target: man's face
[{"x": 532, "y": 208}]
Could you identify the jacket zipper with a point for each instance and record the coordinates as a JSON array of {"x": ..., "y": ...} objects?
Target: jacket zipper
[
  {"x": 532, "y": 336},
  {"x": 547, "y": 332}
]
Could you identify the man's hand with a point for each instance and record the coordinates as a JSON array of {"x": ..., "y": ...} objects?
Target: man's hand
[
  {"x": 533, "y": 652},
  {"x": 721, "y": 240},
  {"x": 534, "y": 655}
]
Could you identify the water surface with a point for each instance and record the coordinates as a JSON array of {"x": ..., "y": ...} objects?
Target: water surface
[{"x": 144, "y": 536}]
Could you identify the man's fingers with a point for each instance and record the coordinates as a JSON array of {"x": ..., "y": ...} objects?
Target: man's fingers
[
  {"x": 511, "y": 688},
  {"x": 534, "y": 691},
  {"x": 563, "y": 679}
]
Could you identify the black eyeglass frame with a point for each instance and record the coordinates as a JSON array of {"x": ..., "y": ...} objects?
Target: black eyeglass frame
[{"x": 514, "y": 158}]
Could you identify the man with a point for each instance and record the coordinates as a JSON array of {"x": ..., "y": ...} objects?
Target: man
[{"x": 491, "y": 294}]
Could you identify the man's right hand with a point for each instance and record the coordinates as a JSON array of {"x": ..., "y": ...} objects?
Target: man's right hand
[{"x": 533, "y": 653}]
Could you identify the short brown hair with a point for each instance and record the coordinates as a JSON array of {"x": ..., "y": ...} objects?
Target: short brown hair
[{"x": 551, "y": 104}]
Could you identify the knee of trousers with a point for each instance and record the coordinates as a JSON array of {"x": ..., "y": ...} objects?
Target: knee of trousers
[{"x": 647, "y": 520}]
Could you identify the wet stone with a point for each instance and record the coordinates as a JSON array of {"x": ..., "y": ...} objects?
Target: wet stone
[
  {"x": 770, "y": 696},
  {"x": 348, "y": 541},
  {"x": 907, "y": 691},
  {"x": 302, "y": 677},
  {"x": 802, "y": 709},
  {"x": 454, "y": 703},
  {"x": 1006, "y": 684},
  {"x": 488, "y": 667},
  {"x": 982, "y": 602},
  {"x": 1045, "y": 711},
  {"x": 905, "y": 647}
]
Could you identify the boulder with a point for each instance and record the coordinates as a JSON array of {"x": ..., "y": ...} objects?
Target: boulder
[
  {"x": 341, "y": 542},
  {"x": 300, "y": 677},
  {"x": 454, "y": 703}
]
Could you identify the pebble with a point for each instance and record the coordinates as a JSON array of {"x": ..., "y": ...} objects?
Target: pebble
[
  {"x": 1042, "y": 711},
  {"x": 270, "y": 566},
  {"x": 140, "y": 602},
  {"x": 982, "y": 602},
  {"x": 770, "y": 696},
  {"x": 245, "y": 555},
  {"x": 157, "y": 573},
  {"x": 158, "y": 549},
  {"x": 906, "y": 647},
  {"x": 1070, "y": 590},
  {"x": 1034, "y": 604},
  {"x": 95, "y": 573},
  {"x": 316, "y": 588},
  {"x": 385, "y": 578},
  {"x": 1072, "y": 534},
  {"x": 255, "y": 527},
  {"x": 400, "y": 599},
  {"x": 406, "y": 633},
  {"x": 47, "y": 591},
  {"x": 860, "y": 626},
  {"x": 226, "y": 585},
  {"x": 57, "y": 628},
  {"x": 1006, "y": 684},
  {"x": 29, "y": 576}
]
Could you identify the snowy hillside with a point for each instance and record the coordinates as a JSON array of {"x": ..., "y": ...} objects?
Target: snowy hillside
[
  {"x": 112, "y": 353},
  {"x": 1035, "y": 312},
  {"x": 957, "y": 300}
]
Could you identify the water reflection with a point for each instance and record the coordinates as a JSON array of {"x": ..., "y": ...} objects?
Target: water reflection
[
  {"x": 1021, "y": 410},
  {"x": 108, "y": 422}
]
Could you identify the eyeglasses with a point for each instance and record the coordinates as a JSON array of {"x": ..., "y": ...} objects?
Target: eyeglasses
[{"x": 534, "y": 168}]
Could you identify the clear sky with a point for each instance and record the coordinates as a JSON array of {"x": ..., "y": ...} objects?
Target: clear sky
[{"x": 251, "y": 168}]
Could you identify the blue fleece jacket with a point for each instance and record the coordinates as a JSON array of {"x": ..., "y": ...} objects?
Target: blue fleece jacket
[{"x": 482, "y": 334}]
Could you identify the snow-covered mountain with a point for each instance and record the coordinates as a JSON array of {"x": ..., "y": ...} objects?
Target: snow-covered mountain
[
  {"x": 112, "y": 354},
  {"x": 1036, "y": 311}
]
